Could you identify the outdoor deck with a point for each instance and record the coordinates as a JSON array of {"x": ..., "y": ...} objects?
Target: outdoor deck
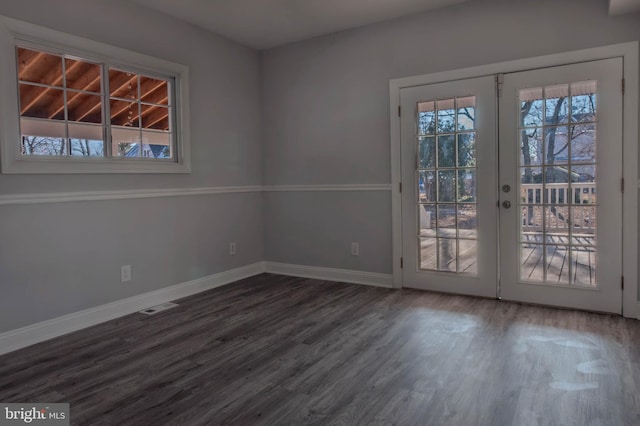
[{"x": 534, "y": 264}]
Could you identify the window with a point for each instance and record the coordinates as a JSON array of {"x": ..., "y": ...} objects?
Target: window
[{"x": 78, "y": 106}]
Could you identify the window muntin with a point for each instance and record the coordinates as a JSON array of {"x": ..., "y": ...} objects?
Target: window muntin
[
  {"x": 63, "y": 106},
  {"x": 446, "y": 174}
]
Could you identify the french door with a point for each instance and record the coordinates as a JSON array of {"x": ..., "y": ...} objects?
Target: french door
[{"x": 536, "y": 218}]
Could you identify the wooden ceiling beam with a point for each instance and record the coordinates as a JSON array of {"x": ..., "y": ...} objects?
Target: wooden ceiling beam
[
  {"x": 26, "y": 58},
  {"x": 121, "y": 83},
  {"x": 154, "y": 116},
  {"x": 154, "y": 95}
]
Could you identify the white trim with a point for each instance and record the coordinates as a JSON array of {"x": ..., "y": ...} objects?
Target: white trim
[
  {"x": 630, "y": 141},
  {"x": 629, "y": 52},
  {"x": 13, "y": 32},
  {"x": 330, "y": 274},
  {"x": 63, "y": 197},
  {"x": 346, "y": 187},
  {"x": 39, "y": 332}
]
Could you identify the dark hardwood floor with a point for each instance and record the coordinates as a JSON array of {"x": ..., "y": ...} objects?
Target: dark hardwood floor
[{"x": 277, "y": 350}]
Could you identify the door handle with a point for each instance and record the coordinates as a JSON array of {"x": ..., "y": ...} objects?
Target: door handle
[
  {"x": 506, "y": 204},
  {"x": 506, "y": 188}
]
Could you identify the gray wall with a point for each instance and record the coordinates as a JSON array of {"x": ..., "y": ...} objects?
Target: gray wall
[
  {"x": 326, "y": 108},
  {"x": 60, "y": 258}
]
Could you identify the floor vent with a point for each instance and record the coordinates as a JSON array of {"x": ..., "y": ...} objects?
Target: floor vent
[{"x": 159, "y": 308}]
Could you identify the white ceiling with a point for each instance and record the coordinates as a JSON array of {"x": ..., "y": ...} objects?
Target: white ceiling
[
  {"x": 263, "y": 24},
  {"x": 618, "y": 7}
]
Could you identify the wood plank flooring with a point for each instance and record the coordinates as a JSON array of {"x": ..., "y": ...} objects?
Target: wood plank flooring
[{"x": 274, "y": 350}]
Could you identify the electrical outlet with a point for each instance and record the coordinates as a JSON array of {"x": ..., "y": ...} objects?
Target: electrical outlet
[
  {"x": 232, "y": 248},
  {"x": 355, "y": 249},
  {"x": 125, "y": 273}
]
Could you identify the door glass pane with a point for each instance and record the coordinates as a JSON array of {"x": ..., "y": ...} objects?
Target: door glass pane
[
  {"x": 427, "y": 152},
  {"x": 447, "y": 254},
  {"x": 446, "y": 116},
  {"x": 446, "y": 185},
  {"x": 426, "y": 118},
  {"x": 427, "y": 218},
  {"x": 558, "y": 184},
  {"x": 446, "y": 151},
  {"x": 467, "y": 261},
  {"x": 427, "y": 186}
]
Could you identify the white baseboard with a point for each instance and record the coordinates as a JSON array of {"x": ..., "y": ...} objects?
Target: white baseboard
[
  {"x": 39, "y": 332},
  {"x": 330, "y": 274},
  {"x": 45, "y": 330}
]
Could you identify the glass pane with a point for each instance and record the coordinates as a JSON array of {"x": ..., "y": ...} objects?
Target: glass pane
[
  {"x": 427, "y": 187},
  {"x": 584, "y": 193},
  {"x": 556, "y": 224},
  {"x": 42, "y": 145},
  {"x": 426, "y": 118},
  {"x": 41, "y": 102},
  {"x": 447, "y": 151},
  {"x": 556, "y": 188},
  {"x": 556, "y": 147},
  {"x": 427, "y": 152},
  {"x": 446, "y": 116},
  {"x": 584, "y": 173},
  {"x": 447, "y": 186},
  {"x": 124, "y": 113},
  {"x": 427, "y": 216},
  {"x": 557, "y": 238},
  {"x": 532, "y": 223},
  {"x": 447, "y": 254},
  {"x": 84, "y": 108},
  {"x": 446, "y": 194},
  {"x": 467, "y": 221},
  {"x": 583, "y": 143},
  {"x": 447, "y": 220},
  {"x": 42, "y": 137},
  {"x": 467, "y": 149},
  {"x": 532, "y": 262},
  {"x": 556, "y": 185},
  {"x": 39, "y": 67},
  {"x": 556, "y": 104},
  {"x": 466, "y": 113},
  {"x": 156, "y": 144},
  {"x": 126, "y": 142},
  {"x": 557, "y": 264},
  {"x": 155, "y": 117},
  {"x": 468, "y": 256},
  {"x": 467, "y": 186},
  {"x": 583, "y": 101},
  {"x": 428, "y": 254},
  {"x": 82, "y": 75},
  {"x": 86, "y": 140},
  {"x": 584, "y": 263},
  {"x": 123, "y": 84},
  {"x": 583, "y": 224},
  {"x": 154, "y": 91},
  {"x": 531, "y": 108},
  {"x": 531, "y": 151},
  {"x": 531, "y": 185}
]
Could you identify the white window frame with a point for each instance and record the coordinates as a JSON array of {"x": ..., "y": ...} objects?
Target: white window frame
[{"x": 12, "y": 161}]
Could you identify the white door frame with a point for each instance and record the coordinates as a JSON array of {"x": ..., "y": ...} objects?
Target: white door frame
[{"x": 630, "y": 54}]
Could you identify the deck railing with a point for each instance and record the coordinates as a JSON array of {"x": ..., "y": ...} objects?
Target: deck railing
[{"x": 555, "y": 198}]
